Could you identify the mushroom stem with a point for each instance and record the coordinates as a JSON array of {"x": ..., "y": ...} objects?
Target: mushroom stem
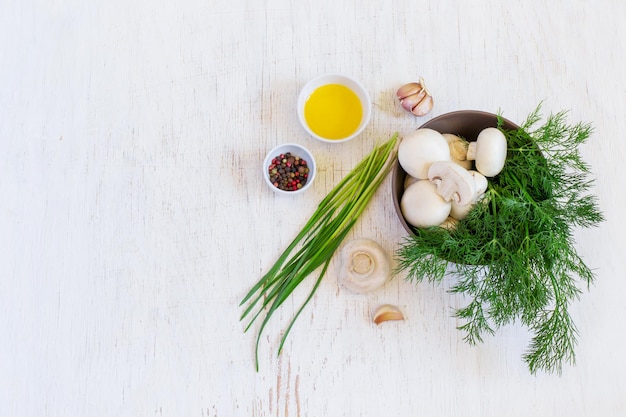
[
  {"x": 362, "y": 263},
  {"x": 454, "y": 183}
]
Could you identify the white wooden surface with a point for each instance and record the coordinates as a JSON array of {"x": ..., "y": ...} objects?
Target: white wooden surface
[{"x": 133, "y": 217}]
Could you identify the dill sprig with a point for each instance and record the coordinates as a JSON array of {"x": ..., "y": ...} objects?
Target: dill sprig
[
  {"x": 318, "y": 240},
  {"x": 514, "y": 256}
]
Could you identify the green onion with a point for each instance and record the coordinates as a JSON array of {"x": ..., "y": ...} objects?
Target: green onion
[{"x": 316, "y": 243}]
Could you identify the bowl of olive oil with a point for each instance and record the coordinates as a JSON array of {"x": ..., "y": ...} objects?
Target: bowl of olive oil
[{"x": 334, "y": 108}]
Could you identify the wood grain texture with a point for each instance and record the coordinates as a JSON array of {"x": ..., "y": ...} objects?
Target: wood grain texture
[{"x": 133, "y": 217}]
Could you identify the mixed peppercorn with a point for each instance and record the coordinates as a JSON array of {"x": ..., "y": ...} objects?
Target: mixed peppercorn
[{"x": 288, "y": 172}]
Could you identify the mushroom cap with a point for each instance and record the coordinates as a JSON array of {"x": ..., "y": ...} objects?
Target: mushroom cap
[
  {"x": 364, "y": 265},
  {"x": 489, "y": 151},
  {"x": 422, "y": 206},
  {"x": 460, "y": 212},
  {"x": 419, "y": 149}
]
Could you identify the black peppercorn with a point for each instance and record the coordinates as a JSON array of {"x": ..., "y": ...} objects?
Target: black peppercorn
[{"x": 288, "y": 172}]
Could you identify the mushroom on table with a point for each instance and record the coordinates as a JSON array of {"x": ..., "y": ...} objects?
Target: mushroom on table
[{"x": 488, "y": 151}]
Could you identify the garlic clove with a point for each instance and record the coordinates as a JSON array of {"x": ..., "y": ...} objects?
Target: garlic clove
[
  {"x": 387, "y": 312},
  {"x": 415, "y": 98},
  {"x": 424, "y": 106},
  {"x": 410, "y": 102},
  {"x": 408, "y": 90}
]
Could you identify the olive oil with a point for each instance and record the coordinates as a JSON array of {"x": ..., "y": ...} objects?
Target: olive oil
[{"x": 333, "y": 111}]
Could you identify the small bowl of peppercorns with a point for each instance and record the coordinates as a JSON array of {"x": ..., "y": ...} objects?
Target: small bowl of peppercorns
[{"x": 289, "y": 169}]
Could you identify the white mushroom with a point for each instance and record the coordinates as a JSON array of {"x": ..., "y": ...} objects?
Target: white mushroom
[
  {"x": 450, "y": 223},
  {"x": 453, "y": 182},
  {"x": 459, "y": 211},
  {"x": 364, "y": 266},
  {"x": 481, "y": 182},
  {"x": 458, "y": 150},
  {"x": 488, "y": 152},
  {"x": 421, "y": 148},
  {"x": 408, "y": 180},
  {"x": 422, "y": 206}
]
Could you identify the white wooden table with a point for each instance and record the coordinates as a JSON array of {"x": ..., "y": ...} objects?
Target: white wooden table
[{"x": 133, "y": 218}]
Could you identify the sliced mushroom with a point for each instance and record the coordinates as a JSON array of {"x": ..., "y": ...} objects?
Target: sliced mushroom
[
  {"x": 421, "y": 148},
  {"x": 364, "y": 266},
  {"x": 488, "y": 151},
  {"x": 481, "y": 182},
  {"x": 460, "y": 211},
  {"x": 453, "y": 182},
  {"x": 422, "y": 206}
]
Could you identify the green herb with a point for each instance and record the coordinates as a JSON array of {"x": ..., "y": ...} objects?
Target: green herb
[
  {"x": 316, "y": 243},
  {"x": 514, "y": 255}
]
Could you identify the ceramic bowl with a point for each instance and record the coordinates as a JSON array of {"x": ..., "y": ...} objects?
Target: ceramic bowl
[
  {"x": 464, "y": 123},
  {"x": 295, "y": 150},
  {"x": 334, "y": 78}
]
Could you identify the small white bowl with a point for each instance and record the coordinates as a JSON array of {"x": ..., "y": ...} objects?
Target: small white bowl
[
  {"x": 334, "y": 78},
  {"x": 296, "y": 150}
]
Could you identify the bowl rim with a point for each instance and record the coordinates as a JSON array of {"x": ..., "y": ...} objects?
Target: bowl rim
[
  {"x": 304, "y": 153},
  {"x": 335, "y": 78},
  {"x": 398, "y": 175}
]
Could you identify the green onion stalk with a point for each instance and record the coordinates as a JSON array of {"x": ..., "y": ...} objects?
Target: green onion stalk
[{"x": 318, "y": 240}]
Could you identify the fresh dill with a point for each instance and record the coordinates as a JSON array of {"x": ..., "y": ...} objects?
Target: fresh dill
[{"x": 514, "y": 256}]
